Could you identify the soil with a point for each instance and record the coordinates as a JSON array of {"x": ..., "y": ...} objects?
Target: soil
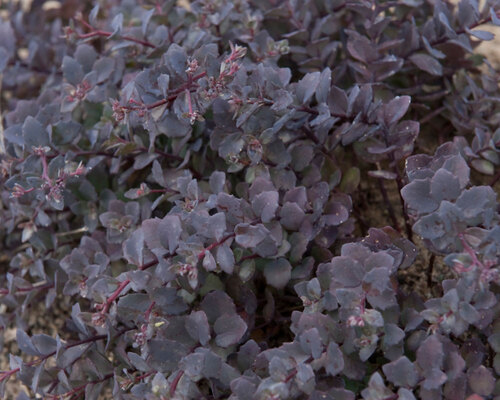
[{"x": 425, "y": 275}]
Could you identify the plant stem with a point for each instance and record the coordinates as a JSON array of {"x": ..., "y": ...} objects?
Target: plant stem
[
  {"x": 390, "y": 209},
  {"x": 214, "y": 245},
  {"x": 27, "y": 289},
  {"x": 175, "y": 382},
  {"x": 173, "y": 95},
  {"x": 6, "y": 374},
  {"x": 431, "y": 270},
  {"x": 114, "y": 296},
  {"x": 399, "y": 182},
  {"x": 495, "y": 179},
  {"x": 99, "y": 32}
]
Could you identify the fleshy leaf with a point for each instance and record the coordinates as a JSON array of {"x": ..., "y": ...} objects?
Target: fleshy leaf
[
  {"x": 427, "y": 63},
  {"x": 229, "y": 330},
  {"x": 278, "y": 272},
  {"x": 197, "y": 327}
]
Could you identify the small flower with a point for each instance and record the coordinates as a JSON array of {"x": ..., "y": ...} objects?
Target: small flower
[
  {"x": 98, "y": 319},
  {"x": 142, "y": 190},
  {"x": 184, "y": 269},
  {"x": 81, "y": 90},
  {"x": 189, "y": 205},
  {"x": 29, "y": 228},
  {"x": 236, "y": 52},
  {"x": 195, "y": 116},
  {"x": 17, "y": 191},
  {"x": 118, "y": 111},
  {"x": 40, "y": 150},
  {"x": 55, "y": 194},
  {"x": 80, "y": 170},
  {"x": 192, "y": 66},
  {"x": 84, "y": 290},
  {"x": 355, "y": 320},
  {"x": 68, "y": 32},
  {"x": 305, "y": 301},
  {"x": 140, "y": 338}
]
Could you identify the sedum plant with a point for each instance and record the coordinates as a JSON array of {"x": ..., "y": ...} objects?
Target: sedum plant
[{"x": 224, "y": 199}]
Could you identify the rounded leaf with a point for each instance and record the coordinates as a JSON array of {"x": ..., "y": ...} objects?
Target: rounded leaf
[
  {"x": 278, "y": 272},
  {"x": 229, "y": 329},
  {"x": 481, "y": 381}
]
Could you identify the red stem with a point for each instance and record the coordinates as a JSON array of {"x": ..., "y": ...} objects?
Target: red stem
[
  {"x": 150, "y": 264},
  {"x": 249, "y": 257},
  {"x": 79, "y": 389},
  {"x": 115, "y": 294},
  {"x": 295, "y": 371},
  {"x": 190, "y": 104},
  {"x": 166, "y": 190},
  {"x": 495, "y": 179},
  {"x": 214, "y": 245},
  {"x": 173, "y": 95},
  {"x": 175, "y": 382},
  {"x": 144, "y": 376},
  {"x": 45, "y": 171},
  {"x": 148, "y": 311},
  {"x": 99, "y": 32},
  {"x": 122, "y": 286},
  {"x": 471, "y": 252},
  {"x": 7, "y": 374},
  {"x": 290, "y": 376},
  {"x": 28, "y": 289}
]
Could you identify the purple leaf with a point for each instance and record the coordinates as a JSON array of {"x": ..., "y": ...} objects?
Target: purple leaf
[
  {"x": 310, "y": 342},
  {"x": 217, "y": 303},
  {"x": 444, "y": 186},
  {"x": 481, "y": 380},
  {"x": 482, "y": 35},
  {"x": 278, "y": 272},
  {"x": 133, "y": 247},
  {"x": 169, "y": 232},
  {"x": 229, "y": 330},
  {"x": 265, "y": 205},
  {"x": 197, "y": 327},
  {"x": 34, "y": 134},
  {"x": 484, "y": 166},
  {"x": 334, "y": 359},
  {"x": 401, "y": 372},
  {"x": 150, "y": 229},
  {"x": 225, "y": 258},
  {"x": 25, "y": 344},
  {"x": 72, "y": 70},
  {"x": 250, "y": 235},
  {"x": 209, "y": 261},
  {"x": 395, "y": 109},
  {"x": 417, "y": 196},
  {"x": 494, "y": 17},
  {"x": 291, "y": 216},
  {"x": 346, "y": 271},
  {"x": 427, "y": 63},
  {"x": 383, "y": 174},
  {"x": 307, "y": 86}
]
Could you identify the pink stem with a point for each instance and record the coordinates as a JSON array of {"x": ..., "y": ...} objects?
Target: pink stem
[
  {"x": 114, "y": 296},
  {"x": 175, "y": 382},
  {"x": 28, "y": 289},
  {"x": 214, "y": 245},
  {"x": 99, "y": 32}
]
